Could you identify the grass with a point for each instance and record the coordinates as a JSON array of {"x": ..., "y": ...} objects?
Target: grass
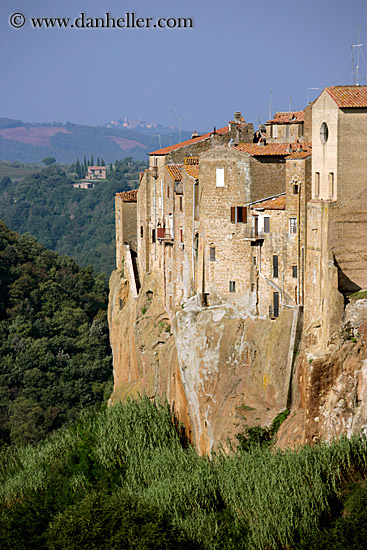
[{"x": 132, "y": 461}]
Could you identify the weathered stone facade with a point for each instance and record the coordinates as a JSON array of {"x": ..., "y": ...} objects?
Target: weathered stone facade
[{"x": 246, "y": 242}]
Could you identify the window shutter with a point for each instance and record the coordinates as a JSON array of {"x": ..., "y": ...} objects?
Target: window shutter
[
  {"x": 266, "y": 225},
  {"x": 244, "y": 214},
  {"x": 233, "y": 214}
]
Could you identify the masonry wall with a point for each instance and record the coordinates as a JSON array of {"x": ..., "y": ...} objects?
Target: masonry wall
[
  {"x": 352, "y": 157},
  {"x": 126, "y": 225},
  {"x": 266, "y": 177},
  {"x": 231, "y": 256},
  {"x": 325, "y": 155},
  {"x": 280, "y": 133}
]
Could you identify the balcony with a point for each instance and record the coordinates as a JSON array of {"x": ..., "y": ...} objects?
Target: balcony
[
  {"x": 251, "y": 234},
  {"x": 164, "y": 234}
]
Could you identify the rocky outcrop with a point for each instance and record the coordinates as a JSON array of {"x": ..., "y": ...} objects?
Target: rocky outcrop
[
  {"x": 219, "y": 369},
  {"x": 332, "y": 387}
]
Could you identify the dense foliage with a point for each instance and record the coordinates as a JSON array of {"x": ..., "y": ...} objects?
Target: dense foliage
[
  {"x": 55, "y": 357},
  {"x": 77, "y": 222},
  {"x": 125, "y": 478}
]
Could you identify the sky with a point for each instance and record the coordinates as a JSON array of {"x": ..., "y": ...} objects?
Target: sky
[{"x": 237, "y": 55}]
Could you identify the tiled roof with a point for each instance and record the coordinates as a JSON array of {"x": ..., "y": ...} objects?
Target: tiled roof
[
  {"x": 301, "y": 153},
  {"x": 289, "y": 117},
  {"x": 175, "y": 170},
  {"x": 128, "y": 196},
  {"x": 256, "y": 150},
  {"x": 97, "y": 167},
  {"x": 191, "y": 160},
  {"x": 167, "y": 150},
  {"x": 349, "y": 96},
  {"x": 192, "y": 170},
  {"x": 276, "y": 203}
]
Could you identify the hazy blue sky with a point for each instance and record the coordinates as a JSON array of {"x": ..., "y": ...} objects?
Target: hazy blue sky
[{"x": 236, "y": 53}]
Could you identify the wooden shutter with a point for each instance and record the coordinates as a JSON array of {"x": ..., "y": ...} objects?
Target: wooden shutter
[
  {"x": 244, "y": 214},
  {"x": 233, "y": 214}
]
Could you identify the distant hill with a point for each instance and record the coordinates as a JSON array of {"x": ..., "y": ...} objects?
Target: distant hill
[{"x": 26, "y": 142}]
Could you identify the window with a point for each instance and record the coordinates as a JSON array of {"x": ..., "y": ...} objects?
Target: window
[
  {"x": 294, "y": 271},
  {"x": 275, "y": 266},
  {"x": 220, "y": 177},
  {"x": 300, "y": 129},
  {"x": 238, "y": 214},
  {"x": 180, "y": 203},
  {"x": 324, "y": 133},
  {"x": 266, "y": 224},
  {"x": 287, "y": 131},
  {"x": 167, "y": 191},
  {"x": 153, "y": 235},
  {"x": 181, "y": 235},
  {"x": 212, "y": 254},
  {"x": 232, "y": 286},
  {"x": 317, "y": 184},
  {"x": 331, "y": 185},
  {"x": 275, "y": 131},
  {"x": 295, "y": 189},
  {"x": 293, "y": 225},
  {"x": 170, "y": 276},
  {"x": 141, "y": 231},
  {"x": 254, "y": 260},
  {"x": 276, "y": 304}
]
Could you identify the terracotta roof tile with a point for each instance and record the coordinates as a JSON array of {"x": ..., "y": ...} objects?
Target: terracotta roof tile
[
  {"x": 167, "y": 150},
  {"x": 255, "y": 150},
  {"x": 193, "y": 171},
  {"x": 349, "y": 96},
  {"x": 128, "y": 196},
  {"x": 289, "y": 117},
  {"x": 175, "y": 171},
  {"x": 191, "y": 160},
  {"x": 276, "y": 203},
  {"x": 302, "y": 153}
]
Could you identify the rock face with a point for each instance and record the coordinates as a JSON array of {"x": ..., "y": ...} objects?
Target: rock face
[{"x": 219, "y": 369}]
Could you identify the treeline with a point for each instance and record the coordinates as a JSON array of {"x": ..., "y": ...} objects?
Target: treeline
[
  {"x": 80, "y": 140},
  {"x": 81, "y": 168},
  {"x": 77, "y": 222},
  {"x": 126, "y": 478},
  {"x": 55, "y": 357}
]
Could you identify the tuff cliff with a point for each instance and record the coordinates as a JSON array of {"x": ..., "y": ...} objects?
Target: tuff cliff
[
  {"x": 222, "y": 370},
  {"x": 219, "y": 369}
]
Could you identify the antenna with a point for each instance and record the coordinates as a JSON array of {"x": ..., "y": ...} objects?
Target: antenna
[
  {"x": 170, "y": 127},
  {"x": 179, "y": 126},
  {"x": 160, "y": 140},
  {"x": 270, "y": 104},
  {"x": 356, "y": 71},
  {"x": 308, "y": 94},
  {"x": 290, "y": 103}
]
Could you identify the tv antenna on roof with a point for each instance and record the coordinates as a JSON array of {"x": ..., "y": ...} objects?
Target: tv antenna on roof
[
  {"x": 356, "y": 71},
  {"x": 308, "y": 94},
  {"x": 270, "y": 105}
]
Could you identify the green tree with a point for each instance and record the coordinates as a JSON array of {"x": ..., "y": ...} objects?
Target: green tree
[{"x": 49, "y": 160}]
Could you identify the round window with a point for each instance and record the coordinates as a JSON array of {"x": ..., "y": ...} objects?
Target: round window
[{"x": 324, "y": 132}]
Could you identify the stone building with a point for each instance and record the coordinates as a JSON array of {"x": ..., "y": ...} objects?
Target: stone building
[
  {"x": 96, "y": 173},
  {"x": 285, "y": 127},
  {"x": 339, "y": 175},
  {"x": 160, "y": 207}
]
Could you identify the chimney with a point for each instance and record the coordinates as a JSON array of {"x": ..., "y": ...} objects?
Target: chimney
[
  {"x": 237, "y": 116},
  {"x": 194, "y": 134}
]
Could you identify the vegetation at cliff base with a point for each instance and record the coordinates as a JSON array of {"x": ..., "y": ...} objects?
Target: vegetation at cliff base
[
  {"x": 55, "y": 358},
  {"x": 125, "y": 477}
]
